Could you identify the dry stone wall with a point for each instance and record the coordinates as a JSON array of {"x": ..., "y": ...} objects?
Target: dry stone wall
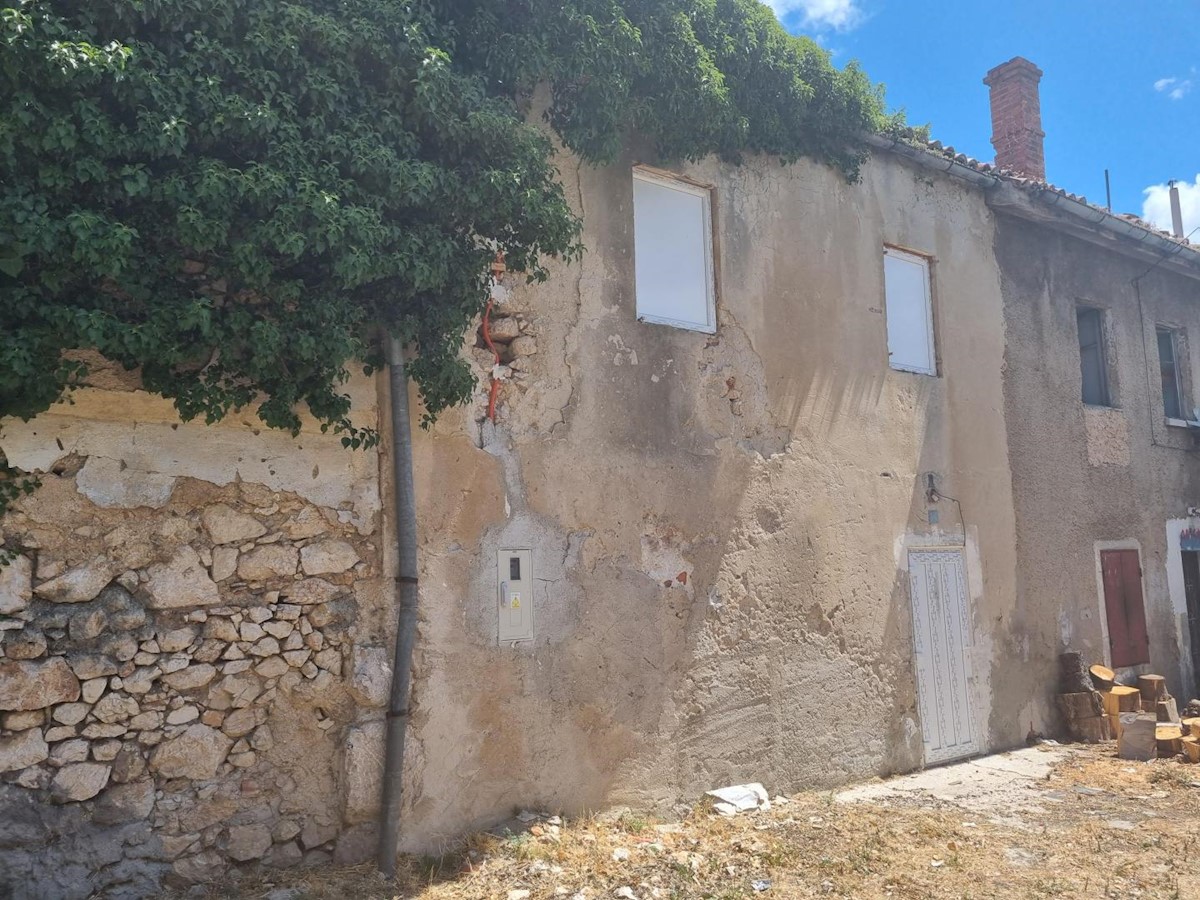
[{"x": 186, "y": 687}]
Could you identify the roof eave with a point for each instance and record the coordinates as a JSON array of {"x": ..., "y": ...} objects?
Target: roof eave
[{"x": 1042, "y": 204}]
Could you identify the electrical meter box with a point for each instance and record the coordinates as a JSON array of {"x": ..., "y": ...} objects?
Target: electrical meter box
[{"x": 514, "y": 582}]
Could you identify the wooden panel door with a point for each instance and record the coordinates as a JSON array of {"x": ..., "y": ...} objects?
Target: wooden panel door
[
  {"x": 941, "y": 641},
  {"x": 1128, "y": 639}
]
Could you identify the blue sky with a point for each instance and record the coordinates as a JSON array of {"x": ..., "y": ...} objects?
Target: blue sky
[{"x": 1121, "y": 88}]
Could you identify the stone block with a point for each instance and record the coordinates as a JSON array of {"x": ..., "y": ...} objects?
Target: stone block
[
  {"x": 21, "y": 720},
  {"x": 316, "y": 833},
  {"x": 328, "y": 557},
  {"x": 29, "y": 643},
  {"x": 16, "y": 586},
  {"x": 195, "y": 754},
  {"x": 72, "y": 751},
  {"x": 93, "y": 689},
  {"x": 176, "y": 639},
  {"x": 191, "y": 678},
  {"x": 115, "y": 708},
  {"x": 202, "y": 867},
  {"x": 224, "y": 562},
  {"x": 271, "y": 561},
  {"x": 371, "y": 680},
  {"x": 37, "y": 684},
  {"x": 246, "y": 842},
  {"x": 362, "y": 771},
  {"x": 23, "y": 749},
  {"x": 79, "y": 781},
  {"x": 310, "y": 592},
  {"x": 226, "y": 525},
  {"x": 87, "y": 666},
  {"x": 183, "y": 581},
  {"x": 78, "y": 585},
  {"x": 122, "y": 803}
]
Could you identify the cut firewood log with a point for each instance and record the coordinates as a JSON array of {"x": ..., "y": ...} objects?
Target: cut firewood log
[
  {"x": 1137, "y": 736},
  {"x": 1192, "y": 726},
  {"x": 1083, "y": 712},
  {"x": 1168, "y": 710},
  {"x": 1191, "y": 748},
  {"x": 1169, "y": 739},
  {"x": 1073, "y": 673},
  {"x": 1081, "y": 705},
  {"x": 1091, "y": 731},
  {"x": 1102, "y": 677},
  {"x": 1153, "y": 687},
  {"x": 1128, "y": 698}
]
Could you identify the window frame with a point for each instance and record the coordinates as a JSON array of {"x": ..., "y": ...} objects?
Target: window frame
[
  {"x": 926, "y": 264},
  {"x": 1182, "y": 413},
  {"x": 1102, "y": 350},
  {"x": 671, "y": 181}
]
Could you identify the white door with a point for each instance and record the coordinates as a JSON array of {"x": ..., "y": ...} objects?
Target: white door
[{"x": 941, "y": 641}]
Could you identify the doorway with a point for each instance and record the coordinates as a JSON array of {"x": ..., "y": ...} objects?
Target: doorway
[
  {"x": 1191, "y": 590},
  {"x": 941, "y": 646}
]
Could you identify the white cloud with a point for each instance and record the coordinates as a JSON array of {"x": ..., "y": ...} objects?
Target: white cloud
[
  {"x": 1175, "y": 88},
  {"x": 840, "y": 15},
  {"x": 1156, "y": 207}
]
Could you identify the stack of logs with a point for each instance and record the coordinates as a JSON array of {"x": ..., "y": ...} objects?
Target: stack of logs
[{"x": 1144, "y": 719}]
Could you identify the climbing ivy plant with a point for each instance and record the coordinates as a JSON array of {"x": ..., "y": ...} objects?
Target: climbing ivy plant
[{"x": 236, "y": 197}]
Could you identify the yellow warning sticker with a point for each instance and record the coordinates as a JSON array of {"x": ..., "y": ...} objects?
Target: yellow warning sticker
[{"x": 515, "y": 601}]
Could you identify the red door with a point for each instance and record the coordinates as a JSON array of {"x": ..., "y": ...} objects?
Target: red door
[{"x": 1127, "y": 635}]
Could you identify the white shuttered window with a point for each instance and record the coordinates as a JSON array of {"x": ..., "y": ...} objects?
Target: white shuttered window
[
  {"x": 909, "y": 312},
  {"x": 673, "y": 252}
]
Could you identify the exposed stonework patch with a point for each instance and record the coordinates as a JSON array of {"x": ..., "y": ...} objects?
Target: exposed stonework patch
[{"x": 155, "y": 704}]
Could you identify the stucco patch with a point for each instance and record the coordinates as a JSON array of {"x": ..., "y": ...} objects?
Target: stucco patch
[{"x": 1107, "y": 436}]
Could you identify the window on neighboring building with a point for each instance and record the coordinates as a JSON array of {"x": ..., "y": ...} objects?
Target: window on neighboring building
[
  {"x": 673, "y": 252},
  {"x": 1093, "y": 362},
  {"x": 909, "y": 312},
  {"x": 1168, "y": 369}
]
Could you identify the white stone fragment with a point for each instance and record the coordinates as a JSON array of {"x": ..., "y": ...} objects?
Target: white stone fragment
[{"x": 111, "y": 484}]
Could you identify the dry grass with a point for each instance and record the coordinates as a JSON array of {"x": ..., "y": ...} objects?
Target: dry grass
[{"x": 1102, "y": 828}]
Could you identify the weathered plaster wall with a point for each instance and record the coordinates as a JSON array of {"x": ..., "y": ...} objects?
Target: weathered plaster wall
[
  {"x": 718, "y": 522},
  {"x": 1084, "y": 476},
  {"x": 192, "y": 647}
]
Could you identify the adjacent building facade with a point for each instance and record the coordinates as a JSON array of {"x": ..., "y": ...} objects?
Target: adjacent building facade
[{"x": 790, "y": 480}]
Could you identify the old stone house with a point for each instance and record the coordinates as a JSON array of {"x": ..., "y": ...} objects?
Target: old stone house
[{"x": 790, "y": 479}]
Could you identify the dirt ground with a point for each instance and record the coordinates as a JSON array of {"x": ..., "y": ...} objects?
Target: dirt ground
[{"x": 1040, "y": 822}]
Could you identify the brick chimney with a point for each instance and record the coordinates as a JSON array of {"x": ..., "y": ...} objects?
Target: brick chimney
[{"x": 1017, "y": 117}]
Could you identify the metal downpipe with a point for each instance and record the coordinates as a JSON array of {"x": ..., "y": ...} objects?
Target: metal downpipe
[{"x": 406, "y": 626}]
